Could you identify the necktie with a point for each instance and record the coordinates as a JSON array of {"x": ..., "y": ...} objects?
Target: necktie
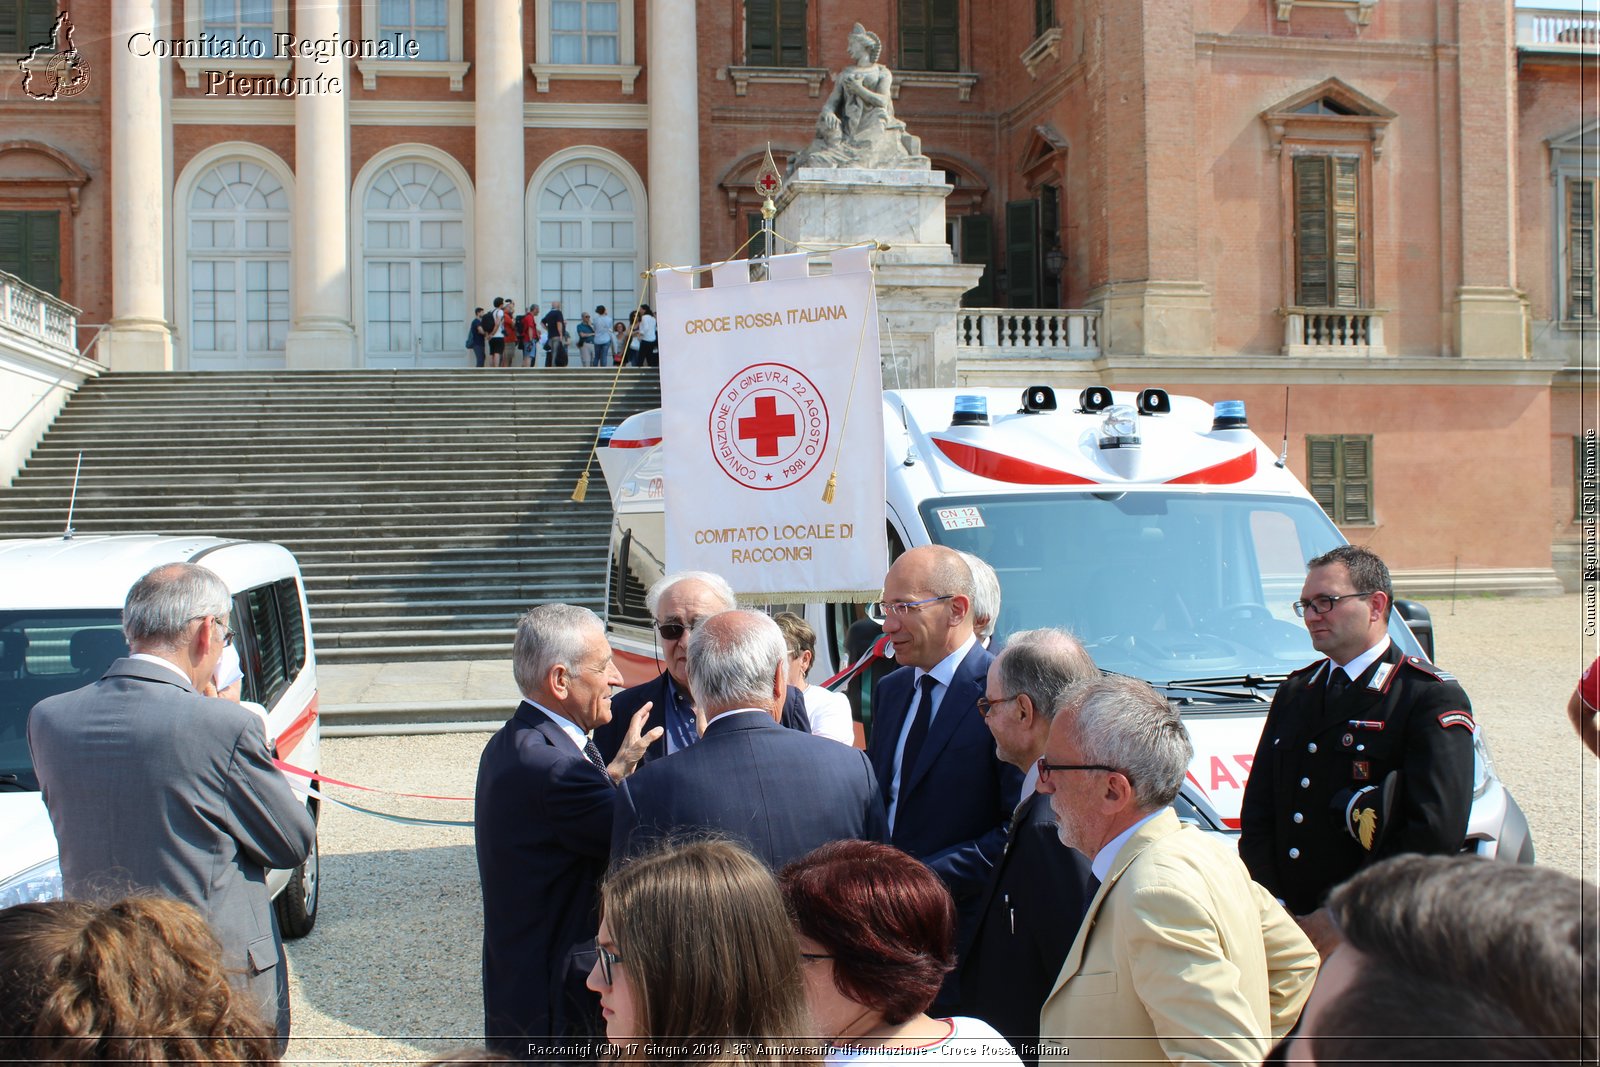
[
  {"x": 1337, "y": 680},
  {"x": 591, "y": 752},
  {"x": 919, "y": 728}
]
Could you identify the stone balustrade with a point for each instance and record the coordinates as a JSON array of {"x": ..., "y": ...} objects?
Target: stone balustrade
[
  {"x": 1557, "y": 30},
  {"x": 1052, "y": 333},
  {"x": 37, "y": 315},
  {"x": 1333, "y": 331}
]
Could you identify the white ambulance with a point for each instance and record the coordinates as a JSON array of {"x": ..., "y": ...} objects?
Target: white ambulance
[
  {"x": 1159, "y": 529},
  {"x": 61, "y": 627}
]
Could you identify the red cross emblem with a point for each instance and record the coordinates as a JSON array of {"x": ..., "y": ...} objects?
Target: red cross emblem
[
  {"x": 766, "y": 427},
  {"x": 767, "y": 184}
]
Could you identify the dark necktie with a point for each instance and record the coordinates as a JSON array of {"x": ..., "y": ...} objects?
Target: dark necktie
[
  {"x": 919, "y": 728},
  {"x": 591, "y": 752},
  {"x": 1337, "y": 680}
]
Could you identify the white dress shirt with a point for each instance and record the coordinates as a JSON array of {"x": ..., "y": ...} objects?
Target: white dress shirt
[{"x": 943, "y": 672}]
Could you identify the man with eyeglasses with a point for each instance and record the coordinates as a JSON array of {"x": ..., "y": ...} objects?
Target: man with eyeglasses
[
  {"x": 678, "y": 603},
  {"x": 152, "y": 786},
  {"x": 1365, "y": 754},
  {"x": 949, "y": 796},
  {"x": 1180, "y": 956},
  {"x": 1039, "y": 888}
]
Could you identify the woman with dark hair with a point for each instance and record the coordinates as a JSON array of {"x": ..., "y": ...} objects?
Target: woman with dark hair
[
  {"x": 698, "y": 962},
  {"x": 137, "y": 981},
  {"x": 877, "y": 933}
]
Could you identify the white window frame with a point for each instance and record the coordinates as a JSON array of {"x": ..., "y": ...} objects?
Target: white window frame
[
  {"x": 1573, "y": 157},
  {"x": 194, "y": 22},
  {"x": 453, "y": 67},
  {"x": 624, "y": 72},
  {"x": 183, "y": 193},
  {"x": 636, "y": 190}
]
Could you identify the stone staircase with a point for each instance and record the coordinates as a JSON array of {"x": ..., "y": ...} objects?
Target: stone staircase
[{"x": 428, "y": 509}]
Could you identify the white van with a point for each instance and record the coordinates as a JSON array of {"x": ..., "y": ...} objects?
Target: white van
[
  {"x": 61, "y": 627},
  {"x": 1157, "y": 528}
]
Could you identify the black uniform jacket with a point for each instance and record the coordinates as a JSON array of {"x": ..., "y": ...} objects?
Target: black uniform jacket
[{"x": 1403, "y": 714}]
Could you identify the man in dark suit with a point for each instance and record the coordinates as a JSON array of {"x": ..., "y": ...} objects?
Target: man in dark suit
[
  {"x": 151, "y": 785},
  {"x": 779, "y": 792},
  {"x": 949, "y": 796},
  {"x": 678, "y": 603},
  {"x": 1030, "y": 909},
  {"x": 542, "y": 825}
]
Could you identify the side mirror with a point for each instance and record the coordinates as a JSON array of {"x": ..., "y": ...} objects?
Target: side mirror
[{"x": 1419, "y": 622}]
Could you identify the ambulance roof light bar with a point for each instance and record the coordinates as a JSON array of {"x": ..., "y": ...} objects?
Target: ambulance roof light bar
[
  {"x": 1120, "y": 428},
  {"x": 1228, "y": 415}
]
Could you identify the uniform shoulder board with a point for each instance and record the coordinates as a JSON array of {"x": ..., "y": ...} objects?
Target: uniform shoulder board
[
  {"x": 1457, "y": 718},
  {"x": 1428, "y": 668}
]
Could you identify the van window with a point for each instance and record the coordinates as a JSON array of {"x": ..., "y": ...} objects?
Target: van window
[
  {"x": 43, "y": 653},
  {"x": 275, "y": 640}
]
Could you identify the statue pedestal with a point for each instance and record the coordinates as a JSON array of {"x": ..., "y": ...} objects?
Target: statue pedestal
[{"x": 919, "y": 283}]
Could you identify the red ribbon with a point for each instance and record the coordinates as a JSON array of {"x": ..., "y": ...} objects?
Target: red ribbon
[{"x": 323, "y": 779}]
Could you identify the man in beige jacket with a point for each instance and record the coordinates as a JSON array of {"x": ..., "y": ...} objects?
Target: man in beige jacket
[{"x": 1181, "y": 957}]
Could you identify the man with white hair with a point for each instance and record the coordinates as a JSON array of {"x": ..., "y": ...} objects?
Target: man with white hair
[
  {"x": 780, "y": 793},
  {"x": 152, "y": 786},
  {"x": 542, "y": 828},
  {"x": 985, "y": 599},
  {"x": 678, "y": 603},
  {"x": 1180, "y": 957}
]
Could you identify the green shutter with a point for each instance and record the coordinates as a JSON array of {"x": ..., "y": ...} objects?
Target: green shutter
[
  {"x": 977, "y": 246},
  {"x": 1322, "y": 472},
  {"x": 1355, "y": 489},
  {"x": 930, "y": 35},
  {"x": 1022, "y": 254},
  {"x": 775, "y": 33},
  {"x": 25, "y": 23},
  {"x": 30, "y": 247},
  {"x": 1311, "y": 231},
  {"x": 1339, "y": 476},
  {"x": 1044, "y": 16},
  {"x": 761, "y": 33}
]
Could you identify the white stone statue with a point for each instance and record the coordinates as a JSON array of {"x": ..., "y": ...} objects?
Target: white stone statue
[{"x": 857, "y": 127}]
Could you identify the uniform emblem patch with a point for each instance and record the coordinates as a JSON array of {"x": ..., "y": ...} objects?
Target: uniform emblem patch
[
  {"x": 1457, "y": 718},
  {"x": 1361, "y": 771}
]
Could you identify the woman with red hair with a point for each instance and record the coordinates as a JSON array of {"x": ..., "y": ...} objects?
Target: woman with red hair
[{"x": 877, "y": 936}]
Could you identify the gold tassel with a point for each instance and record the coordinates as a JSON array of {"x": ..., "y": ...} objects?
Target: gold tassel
[
  {"x": 833, "y": 483},
  {"x": 583, "y": 488}
]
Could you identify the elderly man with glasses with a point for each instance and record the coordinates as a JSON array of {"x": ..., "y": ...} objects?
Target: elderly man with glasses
[
  {"x": 153, "y": 787},
  {"x": 949, "y": 796},
  {"x": 1180, "y": 957},
  {"x": 1365, "y": 754},
  {"x": 678, "y": 603}
]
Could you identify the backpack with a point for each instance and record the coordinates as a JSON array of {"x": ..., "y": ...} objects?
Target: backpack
[{"x": 487, "y": 322}]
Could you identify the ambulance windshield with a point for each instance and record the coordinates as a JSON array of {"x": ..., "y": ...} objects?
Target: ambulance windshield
[{"x": 1156, "y": 584}]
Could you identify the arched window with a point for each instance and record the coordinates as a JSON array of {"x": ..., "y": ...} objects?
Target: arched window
[
  {"x": 238, "y": 268},
  {"x": 414, "y": 268},
  {"x": 587, "y": 243}
]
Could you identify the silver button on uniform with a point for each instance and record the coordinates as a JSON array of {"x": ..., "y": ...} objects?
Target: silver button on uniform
[
  {"x": 1294, "y": 853},
  {"x": 1298, "y": 818},
  {"x": 1305, "y": 783},
  {"x": 1312, "y": 747}
]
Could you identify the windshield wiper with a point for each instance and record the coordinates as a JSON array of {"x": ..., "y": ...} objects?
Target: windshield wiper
[
  {"x": 1239, "y": 686},
  {"x": 12, "y": 783}
]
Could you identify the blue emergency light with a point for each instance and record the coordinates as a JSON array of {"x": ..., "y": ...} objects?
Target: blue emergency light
[
  {"x": 1228, "y": 415},
  {"x": 970, "y": 411}
]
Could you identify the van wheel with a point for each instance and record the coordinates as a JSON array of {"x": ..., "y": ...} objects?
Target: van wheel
[{"x": 297, "y": 904}]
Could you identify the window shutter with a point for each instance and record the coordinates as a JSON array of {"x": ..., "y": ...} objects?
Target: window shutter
[
  {"x": 1044, "y": 16},
  {"x": 1022, "y": 253},
  {"x": 977, "y": 246},
  {"x": 913, "y": 35},
  {"x": 1322, "y": 472},
  {"x": 1311, "y": 231},
  {"x": 1580, "y": 249},
  {"x": 1346, "y": 233},
  {"x": 944, "y": 40},
  {"x": 1356, "y": 478},
  {"x": 11, "y": 230},
  {"x": 38, "y": 19},
  {"x": 42, "y": 268},
  {"x": 791, "y": 33},
  {"x": 761, "y": 33}
]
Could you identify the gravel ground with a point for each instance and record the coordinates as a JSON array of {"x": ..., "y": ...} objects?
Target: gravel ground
[{"x": 390, "y": 973}]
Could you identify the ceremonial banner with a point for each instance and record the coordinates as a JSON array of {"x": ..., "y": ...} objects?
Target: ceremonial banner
[{"x": 766, "y": 388}]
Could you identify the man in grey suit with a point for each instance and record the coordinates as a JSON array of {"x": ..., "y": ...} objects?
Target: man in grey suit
[
  {"x": 778, "y": 792},
  {"x": 150, "y": 785}
]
